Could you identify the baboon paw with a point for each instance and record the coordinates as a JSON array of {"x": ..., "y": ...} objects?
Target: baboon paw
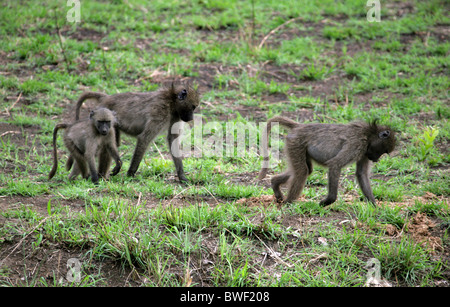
[
  {"x": 183, "y": 179},
  {"x": 279, "y": 200},
  {"x": 117, "y": 168},
  {"x": 372, "y": 202},
  {"x": 326, "y": 202}
]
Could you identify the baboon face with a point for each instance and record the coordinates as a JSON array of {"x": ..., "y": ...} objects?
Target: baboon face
[
  {"x": 383, "y": 142},
  {"x": 102, "y": 118},
  {"x": 103, "y": 127},
  {"x": 187, "y": 101}
]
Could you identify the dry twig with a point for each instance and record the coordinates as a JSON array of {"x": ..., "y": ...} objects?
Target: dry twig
[
  {"x": 61, "y": 43},
  {"x": 276, "y": 29}
]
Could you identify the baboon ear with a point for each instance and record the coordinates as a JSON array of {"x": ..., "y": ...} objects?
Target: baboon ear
[
  {"x": 384, "y": 134},
  {"x": 182, "y": 95},
  {"x": 91, "y": 114}
]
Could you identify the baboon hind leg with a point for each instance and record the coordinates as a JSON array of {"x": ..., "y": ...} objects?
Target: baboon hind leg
[
  {"x": 301, "y": 167},
  {"x": 79, "y": 167},
  {"x": 69, "y": 162},
  {"x": 143, "y": 141},
  {"x": 104, "y": 163},
  {"x": 139, "y": 151},
  {"x": 297, "y": 184},
  {"x": 276, "y": 182}
]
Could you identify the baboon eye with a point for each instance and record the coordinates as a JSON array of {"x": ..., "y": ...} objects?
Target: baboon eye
[
  {"x": 182, "y": 95},
  {"x": 104, "y": 123},
  {"x": 384, "y": 134}
]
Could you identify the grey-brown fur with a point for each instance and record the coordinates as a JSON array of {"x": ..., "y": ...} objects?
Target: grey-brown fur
[
  {"x": 146, "y": 115},
  {"x": 333, "y": 146},
  {"x": 87, "y": 139}
]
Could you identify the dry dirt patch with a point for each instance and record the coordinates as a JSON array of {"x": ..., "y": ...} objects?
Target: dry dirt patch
[
  {"x": 420, "y": 229},
  {"x": 263, "y": 200}
]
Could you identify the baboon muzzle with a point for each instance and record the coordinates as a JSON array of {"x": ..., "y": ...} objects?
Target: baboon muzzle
[{"x": 187, "y": 117}]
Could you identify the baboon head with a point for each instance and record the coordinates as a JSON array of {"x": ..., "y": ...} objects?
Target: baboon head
[
  {"x": 186, "y": 100},
  {"x": 381, "y": 140},
  {"x": 103, "y": 119}
]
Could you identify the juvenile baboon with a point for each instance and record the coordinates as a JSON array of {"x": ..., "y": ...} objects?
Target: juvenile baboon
[
  {"x": 333, "y": 146},
  {"x": 146, "y": 115},
  {"x": 87, "y": 139}
]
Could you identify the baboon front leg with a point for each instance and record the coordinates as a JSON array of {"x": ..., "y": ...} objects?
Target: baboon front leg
[
  {"x": 333, "y": 184},
  {"x": 115, "y": 155},
  {"x": 362, "y": 175},
  {"x": 175, "y": 152},
  {"x": 92, "y": 168},
  {"x": 276, "y": 182}
]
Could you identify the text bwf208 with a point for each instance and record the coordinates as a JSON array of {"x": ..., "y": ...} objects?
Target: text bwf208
[{"x": 246, "y": 296}]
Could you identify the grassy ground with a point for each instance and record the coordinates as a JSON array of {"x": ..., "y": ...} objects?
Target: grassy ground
[{"x": 313, "y": 61}]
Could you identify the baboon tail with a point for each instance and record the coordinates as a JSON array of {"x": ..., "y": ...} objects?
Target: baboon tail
[
  {"x": 55, "y": 154},
  {"x": 83, "y": 97},
  {"x": 285, "y": 122}
]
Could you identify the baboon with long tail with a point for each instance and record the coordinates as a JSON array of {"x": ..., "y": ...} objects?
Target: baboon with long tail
[{"x": 333, "y": 146}]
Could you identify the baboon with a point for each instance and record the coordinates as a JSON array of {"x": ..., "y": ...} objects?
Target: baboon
[
  {"x": 146, "y": 115},
  {"x": 333, "y": 146},
  {"x": 87, "y": 139}
]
